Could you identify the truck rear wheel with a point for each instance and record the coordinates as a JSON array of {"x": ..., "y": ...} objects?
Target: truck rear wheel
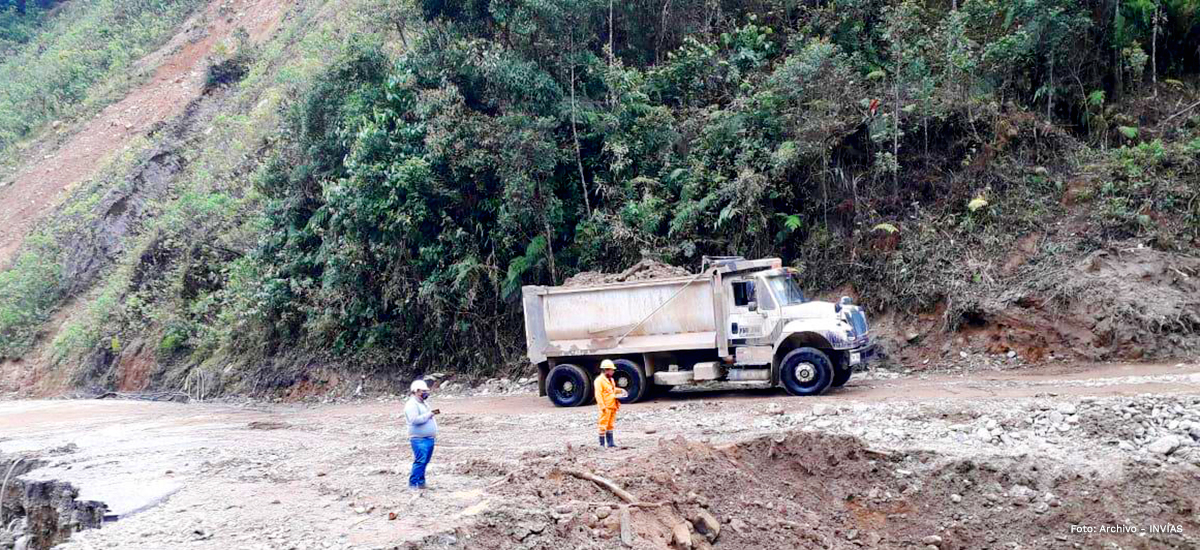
[
  {"x": 806, "y": 371},
  {"x": 631, "y": 378},
  {"x": 568, "y": 386}
]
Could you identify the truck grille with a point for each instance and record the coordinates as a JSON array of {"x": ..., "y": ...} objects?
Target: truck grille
[{"x": 859, "y": 321}]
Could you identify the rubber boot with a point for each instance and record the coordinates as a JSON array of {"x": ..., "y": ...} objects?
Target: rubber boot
[
  {"x": 601, "y": 441},
  {"x": 608, "y": 436}
]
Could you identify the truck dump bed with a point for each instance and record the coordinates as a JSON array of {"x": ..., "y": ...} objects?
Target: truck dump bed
[{"x": 620, "y": 318}]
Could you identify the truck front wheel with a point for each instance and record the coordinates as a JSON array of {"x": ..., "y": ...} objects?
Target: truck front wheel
[
  {"x": 841, "y": 375},
  {"x": 806, "y": 371},
  {"x": 568, "y": 386}
]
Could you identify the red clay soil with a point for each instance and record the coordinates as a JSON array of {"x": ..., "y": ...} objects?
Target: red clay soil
[{"x": 179, "y": 77}]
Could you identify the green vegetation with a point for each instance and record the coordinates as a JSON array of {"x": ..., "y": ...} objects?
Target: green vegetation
[
  {"x": 27, "y": 292},
  {"x": 379, "y": 198},
  {"x": 50, "y": 72},
  {"x": 520, "y": 143},
  {"x": 20, "y": 21}
]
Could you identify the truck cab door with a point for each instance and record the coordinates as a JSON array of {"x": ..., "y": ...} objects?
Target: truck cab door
[{"x": 745, "y": 321}]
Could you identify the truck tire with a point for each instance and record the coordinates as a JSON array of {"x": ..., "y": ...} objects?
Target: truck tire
[
  {"x": 806, "y": 371},
  {"x": 631, "y": 378},
  {"x": 841, "y": 375},
  {"x": 568, "y": 386}
]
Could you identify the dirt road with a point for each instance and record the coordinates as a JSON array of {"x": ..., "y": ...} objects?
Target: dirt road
[{"x": 996, "y": 460}]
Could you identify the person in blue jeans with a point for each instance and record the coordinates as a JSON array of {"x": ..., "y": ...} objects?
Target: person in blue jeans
[{"x": 422, "y": 431}]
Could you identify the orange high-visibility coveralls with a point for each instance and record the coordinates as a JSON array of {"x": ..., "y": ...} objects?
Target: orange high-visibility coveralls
[{"x": 606, "y": 401}]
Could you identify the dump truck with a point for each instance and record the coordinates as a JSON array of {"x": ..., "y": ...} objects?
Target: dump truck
[{"x": 742, "y": 322}]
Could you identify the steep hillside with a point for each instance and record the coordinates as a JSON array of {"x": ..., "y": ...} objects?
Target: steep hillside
[{"x": 327, "y": 190}]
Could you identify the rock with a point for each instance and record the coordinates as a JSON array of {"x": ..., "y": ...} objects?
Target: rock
[
  {"x": 1055, "y": 417},
  {"x": 991, "y": 424},
  {"x": 563, "y": 509},
  {"x": 956, "y": 498},
  {"x": 1164, "y": 445},
  {"x": 932, "y": 540},
  {"x": 627, "y": 536},
  {"x": 391, "y": 516},
  {"x": 603, "y": 512},
  {"x": 707, "y": 525},
  {"x": 983, "y": 434},
  {"x": 681, "y": 535},
  {"x": 1067, "y": 408},
  {"x": 738, "y": 525},
  {"x": 820, "y": 409},
  {"x": 1011, "y": 354}
]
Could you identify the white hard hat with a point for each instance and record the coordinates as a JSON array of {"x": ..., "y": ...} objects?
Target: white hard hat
[{"x": 418, "y": 385}]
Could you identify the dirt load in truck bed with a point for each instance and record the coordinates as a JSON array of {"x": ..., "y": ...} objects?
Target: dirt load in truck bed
[{"x": 644, "y": 270}]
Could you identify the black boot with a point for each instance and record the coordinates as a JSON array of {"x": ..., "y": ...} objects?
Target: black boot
[
  {"x": 608, "y": 436},
  {"x": 601, "y": 441}
]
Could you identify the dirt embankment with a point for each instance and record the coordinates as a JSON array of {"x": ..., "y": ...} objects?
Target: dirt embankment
[
  {"x": 179, "y": 69},
  {"x": 808, "y": 489},
  {"x": 1118, "y": 303},
  {"x": 38, "y": 514}
]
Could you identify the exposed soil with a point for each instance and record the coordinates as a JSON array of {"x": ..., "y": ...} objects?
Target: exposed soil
[
  {"x": 1126, "y": 303},
  {"x": 1006, "y": 459},
  {"x": 38, "y": 514},
  {"x": 178, "y": 77}
]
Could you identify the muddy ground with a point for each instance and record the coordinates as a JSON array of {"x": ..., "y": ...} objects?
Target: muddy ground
[{"x": 1012, "y": 459}]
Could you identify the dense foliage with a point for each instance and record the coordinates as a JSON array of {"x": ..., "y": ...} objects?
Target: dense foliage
[{"x": 520, "y": 142}]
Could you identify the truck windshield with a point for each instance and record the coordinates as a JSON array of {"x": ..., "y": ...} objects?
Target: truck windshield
[{"x": 786, "y": 289}]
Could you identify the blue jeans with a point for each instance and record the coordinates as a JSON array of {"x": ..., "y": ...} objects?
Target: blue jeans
[{"x": 422, "y": 452}]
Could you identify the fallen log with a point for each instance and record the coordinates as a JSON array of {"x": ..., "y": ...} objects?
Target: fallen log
[{"x": 612, "y": 487}]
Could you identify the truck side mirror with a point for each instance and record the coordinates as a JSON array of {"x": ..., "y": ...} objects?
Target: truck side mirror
[{"x": 753, "y": 306}]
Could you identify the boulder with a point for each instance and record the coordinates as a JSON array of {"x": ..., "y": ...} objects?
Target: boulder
[{"x": 1164, "y": 445}]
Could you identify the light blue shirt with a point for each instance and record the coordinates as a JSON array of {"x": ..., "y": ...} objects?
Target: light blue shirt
[{"x": 420, "y": 418}]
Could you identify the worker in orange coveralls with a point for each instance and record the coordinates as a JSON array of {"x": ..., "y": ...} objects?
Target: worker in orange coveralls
[{"x": 606, "y": 401}]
